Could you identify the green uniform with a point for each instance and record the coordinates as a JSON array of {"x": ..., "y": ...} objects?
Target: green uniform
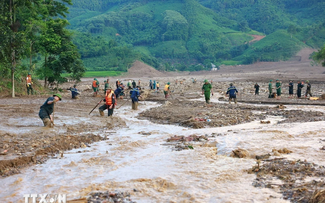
[
  {"x": 106, "y": 86},
  {"x": 270, "y": 89},
  {"x": 207, "y": 92},
  {"x": 278, "y": 88}
]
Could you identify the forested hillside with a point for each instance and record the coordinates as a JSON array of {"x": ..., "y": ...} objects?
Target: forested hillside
[{"x": 182, "y": 34}]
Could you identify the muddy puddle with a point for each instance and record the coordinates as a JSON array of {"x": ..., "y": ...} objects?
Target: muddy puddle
[{"x": 134, "y": 159}]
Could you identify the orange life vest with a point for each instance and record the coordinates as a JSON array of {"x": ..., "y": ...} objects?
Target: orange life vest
[
  {"x": 29, "y": 79},
  {"x": 94, "y": 83},
  {"x": 109, "y": 99}
]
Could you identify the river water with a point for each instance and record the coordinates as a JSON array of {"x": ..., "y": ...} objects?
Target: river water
[{"x": 135, "y": 158}]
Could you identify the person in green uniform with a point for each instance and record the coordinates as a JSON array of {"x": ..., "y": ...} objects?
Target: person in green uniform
[
  {"x": 106, "y": 86},
  {"x": 270, "y": 89},
  {"x": 95, "y": 86},
  {"x": 207, "y": 90},
  {"x": 278, "y": 85}
]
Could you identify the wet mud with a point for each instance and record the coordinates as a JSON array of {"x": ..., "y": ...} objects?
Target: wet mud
[
  {"x": 197, "y": 114},
  {"x": 296, "y": 180},
  {"x": 180, "y": 150}
]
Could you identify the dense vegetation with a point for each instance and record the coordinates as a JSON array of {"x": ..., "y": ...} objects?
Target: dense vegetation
[
  {"x": 32, "y": 28},
  {"x": 193, "y": 33},
  {"x": 108, "y": 35}
]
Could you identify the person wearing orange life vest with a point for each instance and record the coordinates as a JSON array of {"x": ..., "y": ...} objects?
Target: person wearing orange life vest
[
  {"x": 95, "y": 86},
  {"x": 166, "y": 90},
  {"x": 29, "y": 84},
  {"x": 110, "y": 103}
]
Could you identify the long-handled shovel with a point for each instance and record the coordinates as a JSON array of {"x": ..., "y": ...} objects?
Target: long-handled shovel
[
  {"x": 123, "y": 103},
  {"x": 95, "y": 106},
  {"x": 52, "y": 122}
]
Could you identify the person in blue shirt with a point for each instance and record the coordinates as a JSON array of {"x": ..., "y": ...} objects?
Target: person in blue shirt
[
  {"x": 135, "y": 94},
  {"x": 232, "y": 91},
  {"x": 119, "y": 92},
  {"x": 46, "y": 110},
  {"x": 74, "y": 92}
]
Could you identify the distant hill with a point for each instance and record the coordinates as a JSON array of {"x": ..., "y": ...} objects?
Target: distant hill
[{"x": 190, "y": 34}]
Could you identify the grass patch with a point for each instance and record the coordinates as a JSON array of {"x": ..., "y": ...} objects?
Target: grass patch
[{"x": 230, "y": 63}]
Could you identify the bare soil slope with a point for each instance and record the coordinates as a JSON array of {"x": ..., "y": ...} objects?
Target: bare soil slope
[{"x": 140, "y": 69}]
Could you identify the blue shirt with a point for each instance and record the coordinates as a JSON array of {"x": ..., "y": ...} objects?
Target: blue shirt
[
  {"x": 48, "y": 108},
  {"x": 232, "y": 91},
  {"x": 118, "y": 91},
  {"x": 74, "y": 92},
  {"x": 135, "y": 93}
]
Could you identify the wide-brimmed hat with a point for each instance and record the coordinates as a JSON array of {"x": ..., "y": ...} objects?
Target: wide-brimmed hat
[{"x": 58, "y": 95}]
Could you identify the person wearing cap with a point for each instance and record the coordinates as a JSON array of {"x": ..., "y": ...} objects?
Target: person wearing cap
[
  {"x": 46, "y": 109},
  {"x": 278, "y": 85},
  {"x": 167, "y": 90},
  {"x": 95, "y": 86},
  {"x": 106, "y": 85},
  {"x": 270, "y": 89},
  {"x": 110, "y": 103},
  {"x": 29, "y": 83},
  {"x": 257, "y": 89},
  {"x": 308, "y": 90},
  {"x": 74, "y": 92},
  {"x": 207, "y": 90},
  {"x": 232, "y": 93},
  {"x": 300, "y": 85},
  {"x": 290, "y": 89}
]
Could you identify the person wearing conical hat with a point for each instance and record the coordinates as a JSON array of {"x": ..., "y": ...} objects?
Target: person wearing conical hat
[
  {"x": 207, "y": 90},
  {"x": 47, "y": 108}
]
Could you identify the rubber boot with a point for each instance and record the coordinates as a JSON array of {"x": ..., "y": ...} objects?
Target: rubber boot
[
  {"x": 135, "y": 105},
  {"x": 235, "y": 100},
  {"x": 229, "y": 101},
  {"x": 46, "y": 122},
  {"x": 101, "y": 112}
]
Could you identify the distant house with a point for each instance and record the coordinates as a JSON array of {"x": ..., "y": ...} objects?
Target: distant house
[{"x": 214, "y": 67}]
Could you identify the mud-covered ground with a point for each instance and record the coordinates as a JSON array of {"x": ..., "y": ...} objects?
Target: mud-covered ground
[
  {"x": 23, "y": 140},
  {"x": 198, "y": 114},
  {"x": 179, "y": 150}
]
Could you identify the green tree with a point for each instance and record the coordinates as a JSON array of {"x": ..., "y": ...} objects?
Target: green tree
[
  {"x": 319, "y": 56},
  {"x": 292, "y": 29},
  {"x": 14, "y": 34}
]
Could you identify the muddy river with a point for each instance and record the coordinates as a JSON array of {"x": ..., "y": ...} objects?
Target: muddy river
[{"x": 136, "y": 158}]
